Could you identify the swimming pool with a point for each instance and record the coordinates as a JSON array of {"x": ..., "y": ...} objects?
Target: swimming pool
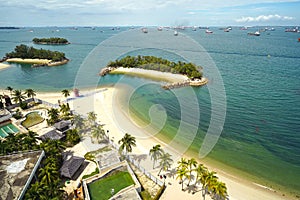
[{"x": 8, "y": 128}]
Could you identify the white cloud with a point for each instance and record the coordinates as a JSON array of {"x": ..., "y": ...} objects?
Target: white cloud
[{"x": 264, "y": 18}]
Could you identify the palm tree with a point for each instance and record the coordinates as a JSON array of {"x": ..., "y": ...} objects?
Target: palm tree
[
  {"x": 200, "y": 170},
  {"x": 92, "y": 117},
  {"x": 155, "y": 153},
  {"x": 65, "y": 93},
  {"x": 191, "y": 163},
  {"x": 165, "y": 162},
  {"x": 65, "y": 110},
  {"x": 48, "y": 174},
  {"x": 97, "y": 132},
  {"x": 208, "y": 179},
  {"x": 182, "y": 163},
  {"x": 10, "y": 89},
  {"x": 30, "y": 93},
  {"x": 18, "y": 97},
  {"x": 219, "y": 190},
  {"x": 53, "y": 115},
  {"x": 182, "y": 172},
  {"x": 127, "y": 142},
  {"x": 78, "y": 121}
]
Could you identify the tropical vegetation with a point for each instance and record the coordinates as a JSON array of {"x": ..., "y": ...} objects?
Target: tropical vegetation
[
  {"x": 23, "y": 51},
  {"x": 159, "y": 64},
  {"x": 52, "y": 40},
  {"x": 127, "y": 142},
  {"x": 155, "y": 153}
]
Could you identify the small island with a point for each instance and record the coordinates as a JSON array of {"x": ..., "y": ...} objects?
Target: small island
[
  {"x": 178, "y": 74},
  {"x": 37, "y": 57},
  {"x": 51, "y": 41}
]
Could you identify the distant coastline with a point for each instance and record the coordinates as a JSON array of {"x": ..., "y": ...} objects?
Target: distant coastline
[{"x": 51, "y": 41}]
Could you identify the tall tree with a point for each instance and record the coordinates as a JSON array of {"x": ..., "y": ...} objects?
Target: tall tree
[
  {"x": 165, "y": 162},
  {"x": 127, "y": 142},
  {"x": 53, "y": 115},
  {"x": 219, "y": 190},
  {"x": 208, "y": 179},
  {"x": 30, "y": 93},
  {"x": 191, "y": 163},
  {"x": 92, "y": 117},
  {"x": 155, "y": 153},
  {"x": 18, "y": 97},
  {"x": 78, "y": 122},
  {"x": 97, "y": 132},
  {"x": 182, "y": 173},
  {"x": 65, "y": 93}
]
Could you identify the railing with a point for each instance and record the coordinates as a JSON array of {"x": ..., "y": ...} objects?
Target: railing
[{"x": 143, "y": 170}]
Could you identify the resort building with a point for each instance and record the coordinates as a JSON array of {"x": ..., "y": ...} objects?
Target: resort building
[
  {"x": 17, "y": 171},
  {"x": 52, "y": 135},
  {"x": 62, "y": 126},
  {"x": 71, "y": 166}
]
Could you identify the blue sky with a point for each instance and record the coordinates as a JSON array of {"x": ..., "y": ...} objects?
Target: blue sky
[{"x": 148, "y": 12}]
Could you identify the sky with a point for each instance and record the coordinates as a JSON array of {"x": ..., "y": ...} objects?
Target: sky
[{"x": 149, "y": 12}]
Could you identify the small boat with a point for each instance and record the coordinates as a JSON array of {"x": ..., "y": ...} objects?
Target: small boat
[
  {"x": 144, "y": 30},
  {"x": 294, "y": 30},
  {"x": 208, "y": 31},
  {"x": 257, "y": 33},
  {"x": 226, "y": 30},
  {"x": 175, "y": 33},
  {"x": 298, "y": 39},
  {"x": 160, "y": 28}
]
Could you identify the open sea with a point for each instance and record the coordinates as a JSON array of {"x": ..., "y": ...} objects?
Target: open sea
[{"x": 261, "y": 76}]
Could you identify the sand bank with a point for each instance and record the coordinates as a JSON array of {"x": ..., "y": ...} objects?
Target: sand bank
[
  {"x": 37, "y": 61},
  {"x": 114, "y": 116},
  {"x": 150, "y": 74},
  {"x": 4, "y": 66},
  {"x": 28, "y": 61}
]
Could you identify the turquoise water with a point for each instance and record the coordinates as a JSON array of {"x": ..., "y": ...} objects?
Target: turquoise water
[
  {"x": 261, "y": 135},
  {"x": 6, "y": 129}
]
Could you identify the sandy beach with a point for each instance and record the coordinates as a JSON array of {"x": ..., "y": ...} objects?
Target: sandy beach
[
  {"x": 115, "y": 119},
  {"x": 28, "y": 61},
  {"x": 150, "y": 74},
  {"x": 4, "y": 66}
]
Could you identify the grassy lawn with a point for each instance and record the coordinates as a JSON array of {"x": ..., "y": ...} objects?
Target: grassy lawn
[
  {"x": 101, "y": 189},
  {"x": 32, "y": 119}
]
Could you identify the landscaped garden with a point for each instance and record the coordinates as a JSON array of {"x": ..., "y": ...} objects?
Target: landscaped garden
[
  {"x": 101, "y": 189},
  {"x": 32, "y": 119}
]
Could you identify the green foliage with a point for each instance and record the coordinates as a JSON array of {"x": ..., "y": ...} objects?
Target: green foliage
[
  {"x": 160, "y": 192},
  {"x": 158, "y": 64},
  {"x": 23, "y": 51},
  {"x": 72, "y": 137},
  {"x": 18, "y": 114},
  {"x": 52, "y": 40},
  {"x": 91, "y": 174},
  {"x": 23, "y": 105}
]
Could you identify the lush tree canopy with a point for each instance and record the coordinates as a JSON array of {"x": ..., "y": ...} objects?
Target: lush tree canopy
[
  {"x": 23, "y": 51},
  {"x": 52, "y": 40},
  {"x": 158, "y": 64}
]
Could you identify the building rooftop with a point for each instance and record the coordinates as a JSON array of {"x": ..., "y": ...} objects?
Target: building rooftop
[
  {"x": 62, "y": 125},
  {"x": 70, "y": 166},
  {"x": 52, "y": 135},
  {"x": 16, "y": 173}
]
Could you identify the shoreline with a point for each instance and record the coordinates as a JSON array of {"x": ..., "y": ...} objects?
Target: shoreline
[
  {"x": 37, "y": 61},
  {"x": 4, "y": 66},
  {"x": 237, "y": 185},
  {"x": 173, "y": 80}
]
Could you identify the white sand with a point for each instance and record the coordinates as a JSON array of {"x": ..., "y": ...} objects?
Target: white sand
[
  {"x": 115, "y": 119},
  {"x": 152, "y": 74},
  {"x": 4, "y": 66},
  {"x": 29, "y": 61}
]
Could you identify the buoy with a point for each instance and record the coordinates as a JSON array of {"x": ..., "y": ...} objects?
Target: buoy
[
  {"x": 269, "y": 56},
  {"x": 298, "y": 39}
]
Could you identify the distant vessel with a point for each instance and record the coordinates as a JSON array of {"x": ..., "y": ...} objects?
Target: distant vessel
[
  {"x": 226, "y": 30},
  {"x": 294, "y": 30},
  {"x": 144, "y": 30},
  {"x": 194, "y": 28},
  {"x": 175, "y": 33},
  {"x": 208, "y": 31},
  {"x": 160, "y": 28},
  {"x": 257, "y": 33},
  {"x": 298, "y": 39}
]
